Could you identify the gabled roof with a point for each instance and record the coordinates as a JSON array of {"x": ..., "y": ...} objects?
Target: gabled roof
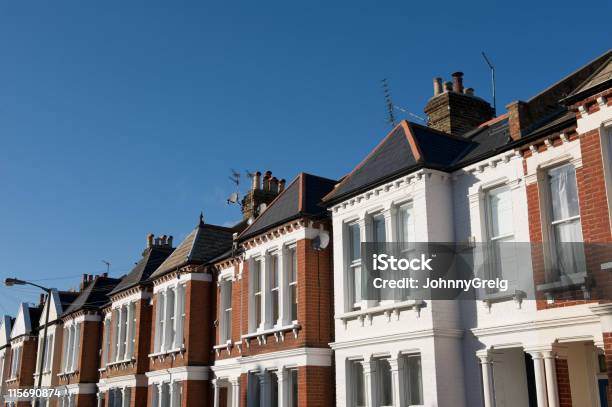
[
  {"x": 94, "y": 295},
  {"x": 598, "y": 81},
  {"x": 204, "y": 243},
  {"x": 407, "y": 147},
  {"x": 152, "y": 258},
  {"x": 301, "y": 198},
  {"x": 6, "y": 325},
  {"x": 26, "y": 321},
  {"x": 56, "y": 308}
]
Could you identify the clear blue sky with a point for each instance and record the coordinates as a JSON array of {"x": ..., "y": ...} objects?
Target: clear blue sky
[{"x": 118, "y": 120}]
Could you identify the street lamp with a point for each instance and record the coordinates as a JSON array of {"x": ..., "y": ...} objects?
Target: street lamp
[{"x": 9, "y": 282}]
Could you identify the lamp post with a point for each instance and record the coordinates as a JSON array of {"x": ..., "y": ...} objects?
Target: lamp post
[{"x": 9, "y": 282}]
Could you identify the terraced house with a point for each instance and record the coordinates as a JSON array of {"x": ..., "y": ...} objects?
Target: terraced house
[
  {"x": 81, "y": 339},
  {"x": 535, "y": 174},
  {"x": 274, "y": 293},
  {"x": 126, "y": 334},
  {"x": 278, "y": 310},
  {"x": 181, "y": 330}
]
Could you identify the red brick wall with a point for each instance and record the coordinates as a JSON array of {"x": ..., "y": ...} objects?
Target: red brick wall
[
  {"x": 594, "y": 217},
  {"x": 315, "y": 306},
  {"x": 563, "y": 383}
]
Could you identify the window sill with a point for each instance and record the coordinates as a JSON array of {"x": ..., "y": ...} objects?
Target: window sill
[
  {"x": 120, "y": 363},
  {"x": 67, "y": 374},
  {"x": 386, "y": 309},
  {"x": 165, "y": 353},
  {"x": 278, "y": 332},
  {"x": 492, "y": 298},
  {"x": 11, "y": 381},
  {"x": 566, "y": 282},
  {"x": 228, "y": 345}
]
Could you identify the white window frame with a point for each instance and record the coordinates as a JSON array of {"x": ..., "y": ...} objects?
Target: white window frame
[
  {"x": 274, "y": 287},
  {"x": 257, "y": 313},
  {"x": 354, "y": 367},
  {"x": 379, "y": 360},
  {"x": 605, "y": 134},
  {"x": 170, "y": 319},
  {"x": 354, "y": 300},
  {"x": 225, "y": 319},
  {"x": 292, "y": 283}
]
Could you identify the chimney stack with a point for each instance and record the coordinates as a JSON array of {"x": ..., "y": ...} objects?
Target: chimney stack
[
  {"x": 261, "y": 193},
  {"x": 455, "y": 109},
  {"x": 458, "y": 82}
]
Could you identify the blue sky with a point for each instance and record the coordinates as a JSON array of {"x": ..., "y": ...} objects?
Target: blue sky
[{"x": 119, "y": 120}]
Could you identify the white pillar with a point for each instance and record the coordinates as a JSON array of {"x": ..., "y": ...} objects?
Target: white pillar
[
  {"x": 487, "y": 379},
  {"x": 369, "y": 370},
  {"x": 216, "y": 390},
  {"x": 235, "y": 395},
  {"x": 283, "y": 391},
  {"x": 264, "y": 389},
  {"x": 551, "y": 378},
  {"x": 540, "y": 379},
  {"x": 397, "y": 373},
  {"x": 100, "y": 397}
]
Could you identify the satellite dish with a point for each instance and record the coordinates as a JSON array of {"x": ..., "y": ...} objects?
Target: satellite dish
[
  {"x": 233, "y": 198},
  {"x": 262, "y": 207},
  {"x": 321, "y": 241}
]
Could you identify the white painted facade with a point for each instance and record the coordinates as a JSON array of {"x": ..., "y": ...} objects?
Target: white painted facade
[{"x": 473, "y": 353}]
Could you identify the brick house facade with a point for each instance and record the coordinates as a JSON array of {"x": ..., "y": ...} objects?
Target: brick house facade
[{"x": 273, "y": 295}]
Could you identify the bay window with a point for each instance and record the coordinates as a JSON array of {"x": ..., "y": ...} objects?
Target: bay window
[
  {"x": 125, "y": 332},
  {"x": 72, "y": 345},
  {"x": 412, "y": 377},
  {"x": 169, "y": 319},
  {"x": 500, "y": 256},
  {"x": 255, "y": 282},
  {"x": 292, "y": 279},
  {"x": 384, "y": 382},
  {"x": 225, "y": 321},
  {"x": 274, "y": 287},
  {"x": 565, "y": 225},
  {"x": 354, "y": 265}
]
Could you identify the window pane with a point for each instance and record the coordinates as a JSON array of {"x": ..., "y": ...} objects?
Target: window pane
[
  {"x": 294, "y": 264},
  {"x": 357, "y": 283},
  {"x": 273, "y": 271},
  {"x": 564, "y": 194},
  {"x": 275, "y": 306},
  {"x": 354, "y": 242},
  {"x": 406, "y": 224},
  {"x": 570, "y": 255},
  {"x": 273, "y": 388},
  {"x": 384, "y": 383},
  {"x": 500, "y": 209},
  {"x": 256, "y": 276},
  {"x": 293, "y": 294},
  {"x": 357, "y": 389},
  {"x": 378, "y": 228},
  {"x": 294, "y": 387},
  {"x": 414, "y": 380},
  {"x": 258, "y": 310}
]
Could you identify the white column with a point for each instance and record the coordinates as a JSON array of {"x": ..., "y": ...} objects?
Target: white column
[
  {"x": 216, "y": 390},
  {"x": 124, "y": 397},
  {"x": 397, "y": 373},
  {"x": 551, "y": 378},
  {"x": 264, "y": 389},
  {"x": 283, "y": 391},
  {"x": 100, "y": 398},
  {"x": 487, "y": 379},
  {"x": 540, "y": 379},
  {"x": 369, "y": 381},
  {"x": 235, "y": 395},
  {"x": 160, "y": 393}
]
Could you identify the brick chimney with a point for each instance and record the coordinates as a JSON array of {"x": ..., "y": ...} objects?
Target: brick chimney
[
  {"x": 454, "y": 109},
  {"x": 263, "y": 191}
]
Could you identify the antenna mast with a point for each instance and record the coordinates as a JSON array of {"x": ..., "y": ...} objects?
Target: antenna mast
[
  {"x": 388, "y": 102},
  {"x": 492, "y": 68}
]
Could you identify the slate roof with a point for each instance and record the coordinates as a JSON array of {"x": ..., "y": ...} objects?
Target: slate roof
[
  {"x": 602, "y": 77},
  {"x": 302, "y": 197},
  {"x": 67, "y": 298},
  {"x": 152, "y": 258},
  {"x": 94, "y": 295},
  {"x": 407, "y": 147},
  {"x": 204, "y": 243}
]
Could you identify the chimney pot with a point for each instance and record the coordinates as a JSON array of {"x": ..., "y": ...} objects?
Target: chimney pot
[
  {"x": 437, "y": 85},
  {"x": 469, "y": 91},
  {"x": 458, "y": 82},
  {"x": 170, "y": 238},
  {"x": 105, "y": 274},
  {"x": 150, "y": 237},
  {"x": 164, "y": 240},
  {"x": 157, "y": 239},
  {"x": 274, "y": 185},
  {"x": 448, "y": 86},
  {"x": 281, "y": 185},
  {"x": 266, "y": 181},
  {"x": 256, "y": 180}
]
